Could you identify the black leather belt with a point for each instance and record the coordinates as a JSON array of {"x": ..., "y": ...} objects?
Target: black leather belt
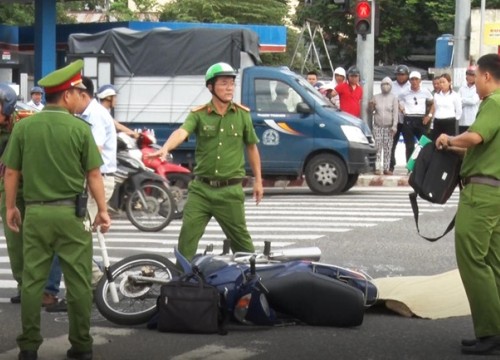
[
  {"x": 108, "y": 174},
  {"x": 219, "y": 183},
  {"x": 483, "y": 180},
  {"x": 66, "y": 202}
]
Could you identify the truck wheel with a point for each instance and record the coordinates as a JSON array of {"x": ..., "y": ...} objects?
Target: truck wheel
[
  {"x": 352, "y": 179},
  {"x": 326, "y": 174}
]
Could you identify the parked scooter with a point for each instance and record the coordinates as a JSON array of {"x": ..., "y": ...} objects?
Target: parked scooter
[
  {"x": 295, "y": 285},
  {"x": 177, "y": 175},
  {"x": 142, "y": 194}
]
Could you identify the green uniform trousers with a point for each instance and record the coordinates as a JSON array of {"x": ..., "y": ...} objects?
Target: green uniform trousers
[
  {"x": 13, "y": 240},
  {"x": 477, "y": 246},
  {"x": 226, "y": 205},
  {"x": 50, "y": 229}
]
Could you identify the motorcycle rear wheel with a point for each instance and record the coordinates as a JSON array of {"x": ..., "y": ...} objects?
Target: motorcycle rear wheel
[
  {"x": 180, "y": 180},
  {"x": 137, "y": 301},
  {"x": 154, "y": 211}
]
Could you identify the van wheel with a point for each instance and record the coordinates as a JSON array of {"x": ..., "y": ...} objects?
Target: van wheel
[
  {"x": 352, "y": 179},
  {"x": 326, "y": 174}
]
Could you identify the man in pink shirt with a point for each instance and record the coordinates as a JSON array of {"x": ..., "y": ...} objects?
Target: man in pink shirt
[{"x": 350, "y": 93}]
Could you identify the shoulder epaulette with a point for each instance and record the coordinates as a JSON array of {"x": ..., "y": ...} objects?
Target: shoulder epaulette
[
  {"x": 198, "y": 108},
  {"x": 242, "y": 107},
  {"x": 79, "y": 118}
]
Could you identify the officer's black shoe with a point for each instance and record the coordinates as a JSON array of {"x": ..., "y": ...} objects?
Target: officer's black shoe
[
  {"x": 78, "y": 355},
  {"x": 16, "y": 299},
  {"x": 469, "y": 342},
  {"x": 27, "y": 355},
  {"x": 483, "y": 346}
]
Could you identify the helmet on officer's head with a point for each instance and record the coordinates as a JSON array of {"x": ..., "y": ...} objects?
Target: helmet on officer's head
[
  {"x": 219, "y": 69},
  {"x": 353, "y": 70},
  {"x": 105, "y": 91},
  {"x": 8, "y": 99},
  {"x": 36, "y": 89},
  {"x": 402, "y": 69}
]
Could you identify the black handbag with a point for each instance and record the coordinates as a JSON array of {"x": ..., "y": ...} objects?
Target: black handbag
[
  {"x": 189, "y": 305},
  {"x": 434, "y": 178}
]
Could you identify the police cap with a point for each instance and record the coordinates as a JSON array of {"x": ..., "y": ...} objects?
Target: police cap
[{"x": 64, "y": 78}]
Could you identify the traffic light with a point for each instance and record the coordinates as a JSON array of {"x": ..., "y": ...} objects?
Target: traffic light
[{"x": 363, "y": 18}]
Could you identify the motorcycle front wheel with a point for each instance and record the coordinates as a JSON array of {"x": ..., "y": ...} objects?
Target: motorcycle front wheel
[
  {"x": 137, "y": 299},
  {"x": 151, "y": 207}
]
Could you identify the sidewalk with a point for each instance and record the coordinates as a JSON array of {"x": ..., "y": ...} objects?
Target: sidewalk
[{"x": 399, "y": 178}]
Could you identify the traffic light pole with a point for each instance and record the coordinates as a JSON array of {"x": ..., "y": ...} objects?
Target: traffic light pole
[{"x": 365, "y": 63}]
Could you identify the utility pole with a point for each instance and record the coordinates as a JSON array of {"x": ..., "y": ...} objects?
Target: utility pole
[
  {"x": 365, "y": 63},
  {"x": 481, "y": 27},
  {"x": 462, "y": 31}
]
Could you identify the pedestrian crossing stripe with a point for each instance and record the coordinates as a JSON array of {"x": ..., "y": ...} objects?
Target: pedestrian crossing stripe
[{"x": 285, "y": 220}]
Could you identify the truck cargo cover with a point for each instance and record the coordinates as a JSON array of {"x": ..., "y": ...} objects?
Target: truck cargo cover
[{"x": 164, "y": 52}]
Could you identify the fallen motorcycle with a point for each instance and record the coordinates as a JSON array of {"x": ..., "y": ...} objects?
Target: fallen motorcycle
[
  {"x": 142, "y": 194},
  {"x": 295, "y": 284}
]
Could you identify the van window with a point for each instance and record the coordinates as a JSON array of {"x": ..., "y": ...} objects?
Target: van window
[{"x": 275, "y": 97}]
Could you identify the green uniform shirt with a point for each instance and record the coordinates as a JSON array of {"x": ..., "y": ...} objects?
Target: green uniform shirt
[
  {"x": 220, "y": 140},
  {"x": 483, "y": 158},
  {"x": 32, "y": 144},
  {"x": 4, "y": 139}
]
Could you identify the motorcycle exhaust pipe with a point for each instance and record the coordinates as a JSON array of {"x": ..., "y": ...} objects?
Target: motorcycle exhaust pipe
[
  {"x": 312, "y": 253},
  {"x": 107, "y": 272}
]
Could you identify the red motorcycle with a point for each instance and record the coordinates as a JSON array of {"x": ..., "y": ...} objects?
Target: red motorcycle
[{"x": 177, "y": 175}]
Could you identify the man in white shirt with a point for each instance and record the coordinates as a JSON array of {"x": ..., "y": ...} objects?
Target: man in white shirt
[
  {"x": 36, "y": 98},
  {"x": 413, "y": 104},
  {"x": 104, "y": 132},
  {"x": 400, "y": 85},
  {"x": 470, "y": 100}
]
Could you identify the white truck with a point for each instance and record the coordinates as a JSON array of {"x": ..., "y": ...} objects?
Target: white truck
[{"x": 160, "y": 78}]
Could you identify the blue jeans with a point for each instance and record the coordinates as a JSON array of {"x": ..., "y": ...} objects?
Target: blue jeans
[{"x": 55, "y": 275}]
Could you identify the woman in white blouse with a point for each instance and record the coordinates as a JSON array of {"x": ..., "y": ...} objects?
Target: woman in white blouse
[{"x": 447, "y": 109}]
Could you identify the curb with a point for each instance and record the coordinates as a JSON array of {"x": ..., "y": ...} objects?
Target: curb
[
  {"x": 382, "y": 180},
  {"x": 363, "y": 180}
]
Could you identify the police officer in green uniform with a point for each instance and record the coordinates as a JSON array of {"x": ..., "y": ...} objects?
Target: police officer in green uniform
[
  {"x": 223, "y": 130},
  {"x": 14, "y": 240},
  {"x": 57, "y": 156},
  {"x": 477, "y": 230}
]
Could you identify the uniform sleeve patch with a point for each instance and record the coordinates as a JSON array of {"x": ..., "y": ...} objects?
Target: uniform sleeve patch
[
  {"x": 242, "y": 107},
  {"x": 199, "y": 108}
]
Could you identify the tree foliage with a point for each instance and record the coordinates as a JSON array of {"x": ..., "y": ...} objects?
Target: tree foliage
[
  {"x": 405, "y": 27},
  {"x": 226, "y": 11}
]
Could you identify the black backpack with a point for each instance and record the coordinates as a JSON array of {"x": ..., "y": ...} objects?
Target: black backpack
[{"x": 434, "y": 178}]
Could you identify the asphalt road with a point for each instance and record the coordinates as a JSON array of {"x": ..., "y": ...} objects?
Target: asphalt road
[{"x": 387, "y": 249}]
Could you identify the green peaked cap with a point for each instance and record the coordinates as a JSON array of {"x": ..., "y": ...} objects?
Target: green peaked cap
[{"x": 64, "y": 78}]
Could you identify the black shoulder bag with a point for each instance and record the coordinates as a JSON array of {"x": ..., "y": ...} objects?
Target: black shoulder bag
[
  {"x": 189, "y": 305},
  {"x": 434, "y": 178}
]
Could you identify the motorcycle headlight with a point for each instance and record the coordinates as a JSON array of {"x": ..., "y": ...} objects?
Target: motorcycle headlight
[{"x": 354, "y": 134}]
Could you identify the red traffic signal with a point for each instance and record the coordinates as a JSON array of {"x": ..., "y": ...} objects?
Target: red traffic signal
[{"x": 363, "y": 18}]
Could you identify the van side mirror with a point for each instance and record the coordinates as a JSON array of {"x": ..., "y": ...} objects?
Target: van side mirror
[{"x": 303, "y": 108}]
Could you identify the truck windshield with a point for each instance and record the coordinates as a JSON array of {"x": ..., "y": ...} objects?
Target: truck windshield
[{"x": 315, "y": 94}]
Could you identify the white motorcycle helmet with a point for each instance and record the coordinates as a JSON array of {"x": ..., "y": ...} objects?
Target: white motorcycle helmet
[{"x": 106, "y": 91}]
